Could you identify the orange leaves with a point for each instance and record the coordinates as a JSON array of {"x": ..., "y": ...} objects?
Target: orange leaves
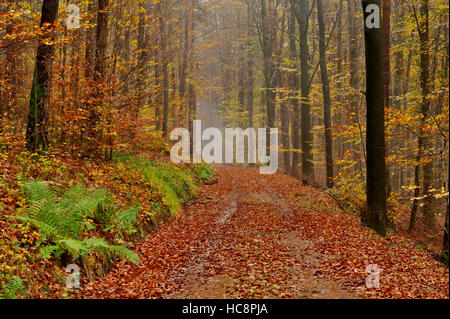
[{"x": 284, "y": 240}]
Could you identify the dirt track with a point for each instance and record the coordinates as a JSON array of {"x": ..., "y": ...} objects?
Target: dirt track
[{"x": 263, "y": 236}]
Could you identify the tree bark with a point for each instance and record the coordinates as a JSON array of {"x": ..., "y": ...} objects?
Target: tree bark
[
  {"x": 375, "y": 138},
  {"x": 424, "y": 35},
  {"x": 36, "y": 133},
  {"x": 165, "y": 73},
  {"x": 8, "y": 92},
  {"x": 306, "y": 123},
  {"x": 250, "y": 75},
  {"x": 326, "y": 96},
  {"x": 183, "y": 68},
  {"x": 387, "y": 75},
  {"x": 241, "y": 68},
  {"x": 445, "y": 252},
  {"x": 101, "y": 41},
  {"x": 90, "y": 41},
  {"x": 268, "y": 39},
  {"x": 294, "y": 88}
]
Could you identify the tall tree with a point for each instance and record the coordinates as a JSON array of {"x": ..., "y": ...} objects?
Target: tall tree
[
  {"x": 294, "y": 87},
  {"x": 387, "y": 45},
  {"x": 141, "y": 39},
  {"x": 241, "y": 67},
  {"x": 306, "y": 122},
  {"x": 8, "y": 91},
  {"x": 281, "y": 77},
  {"x": 36, "y": 134},
  {"x": 267, "y": 39},
  {"x": 375, "y": 136},
  {"x": 90, "y": 39},
  {"x": 184, "y": 65},
  {"x": 250, "y": 69},
  {"x": 326, "y": 96},
  {"x": 445, "y": 251},
  {"x": 353, "y": 49},
  {"x": 387, "y": 73},
  {"x": 424, "y": 37},
  {"x": 101, "y": 42},
  {"x": 164, "y": 67},
  {"x": 424, "y": 147}
]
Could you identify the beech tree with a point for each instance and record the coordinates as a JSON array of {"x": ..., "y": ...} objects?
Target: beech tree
[
  {"x": 326, "y": 96},
  {"x": 37, "y": 131},
  {"x": 376, "y": 162}
]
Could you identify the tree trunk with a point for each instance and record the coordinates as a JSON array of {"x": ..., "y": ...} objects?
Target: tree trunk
[
  {"x": 90, "y": 41},
  {"x": 241, "y": 69},
  {"x": 353, "y": 48},
  {"x": 446, "y": 232},
  {"x": 251, "y": 76},
  {"x": 36, "y": 134},
  {"x": 306, "y": 124},
  {"x": 268, "y": 39},
  {"x": 141, "y": 57},
  {"x": 424, "y": 34},
  {"x": 326, "y": 96},
  {"x": 294, "y": 87},
  {"x": 95, "y": 135},
  {"x": 339, "y": 83},
  {"x": 165, "y": 73},
  {"x": 387, "y": 75},
  {"x": 8, "y": 92},
  {"x": 158, "y": 89},
  {"x": 375, "y": 140},
  {"x": 183, "y": 67},
  {"x": 284, "y": 104}
]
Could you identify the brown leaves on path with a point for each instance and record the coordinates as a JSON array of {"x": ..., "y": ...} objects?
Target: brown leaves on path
[{"x": 269, "y": 236}]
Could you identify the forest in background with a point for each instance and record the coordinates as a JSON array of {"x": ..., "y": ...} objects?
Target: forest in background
[{"x": 136, "y": 69}]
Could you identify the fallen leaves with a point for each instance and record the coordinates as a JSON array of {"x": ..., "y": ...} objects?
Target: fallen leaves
[{"x": 251, "y": 255}]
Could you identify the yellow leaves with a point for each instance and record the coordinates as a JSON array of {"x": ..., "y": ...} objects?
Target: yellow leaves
[
  {"x": 441, "y": 195},
  {"x": 114, "y": 133}
]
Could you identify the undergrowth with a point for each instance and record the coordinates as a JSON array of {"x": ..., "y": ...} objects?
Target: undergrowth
[{"x": 60, "y": 221}]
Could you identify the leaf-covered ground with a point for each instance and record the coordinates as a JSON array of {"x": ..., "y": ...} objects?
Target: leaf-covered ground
[{"x": 256, "y": 236}]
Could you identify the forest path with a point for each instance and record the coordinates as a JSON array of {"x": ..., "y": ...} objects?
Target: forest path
[
  {"x": 240, "y": 238},
  {"x": 267, "y": 236}
]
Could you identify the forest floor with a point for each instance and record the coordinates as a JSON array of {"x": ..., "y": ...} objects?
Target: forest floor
[{"x": 269, "y": 236}]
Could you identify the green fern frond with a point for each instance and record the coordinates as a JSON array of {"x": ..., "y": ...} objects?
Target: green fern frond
[
  {"x": 13, "y": 288},
  {"x": 37, "y": 190},
  {"x": 74, "y": 247},
  {"x": 37, "y": 206},
  {"x": 125, "y": 219},
  {"x": 125, "y": 253},
  {"x": 47, "y": 251},
  {"x": 45, "y": 229}
]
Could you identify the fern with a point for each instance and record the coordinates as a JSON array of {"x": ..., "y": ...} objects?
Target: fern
[
  {"x": 125, "y": 253},
  {"x": 80, "y": 248},
  {"x": 47, "y": 230},
  {"x": 13, "y": 288},
  {"x": 37, "y": 190},
  {"x": 203, "y": 171},
  {"x": 169, "y": 197},
  {"x": 126, "y": 219},
  {"x": 73, "y": 246},
  {"x": 47, "y": 251},
  {"x": 64, "y": 222}
]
